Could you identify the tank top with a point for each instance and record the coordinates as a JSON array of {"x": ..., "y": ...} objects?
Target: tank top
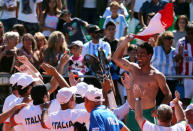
[{"x": 50, "y": 21}]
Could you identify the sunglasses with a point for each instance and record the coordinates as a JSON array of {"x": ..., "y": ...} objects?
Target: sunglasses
[{"x": 169, "y": 38}]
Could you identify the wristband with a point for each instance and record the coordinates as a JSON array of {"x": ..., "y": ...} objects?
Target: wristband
[{"x": 137, "y": 99}]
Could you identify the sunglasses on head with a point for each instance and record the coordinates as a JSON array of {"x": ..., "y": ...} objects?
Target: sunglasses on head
[{"x": 169, "y": 38}]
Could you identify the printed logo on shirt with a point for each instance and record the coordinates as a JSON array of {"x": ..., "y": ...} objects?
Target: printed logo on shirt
[
  {"x": 33, "y": 120},
  {"x": 61, "y": 125},
  {"x": 112, "y": 121},
  {"x": 73, "y": 29}
]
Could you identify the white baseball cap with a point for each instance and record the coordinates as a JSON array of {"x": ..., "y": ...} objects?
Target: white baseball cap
[
  {"x": 15, "y": 77},
  {"x": 82, "y": 88},
  {"x": 190, "y": 107},
  {"x": 77, "y": 42},
  {"x": 26, "y": 80},
  {"x": 63, "y": 96},
  {"x": 94, "y": 94}
]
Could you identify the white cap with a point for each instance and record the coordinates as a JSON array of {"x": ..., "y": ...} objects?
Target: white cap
[
  {"x": 94, "y": 94},
  {"x": 190, "y": 107},
  {"x": 77, "y": 42},
  {"x": 26, "y": 80},
  {"x": 82, "y": 88},
  {"x": 63, "y": 96},
  {"x": 15, "y": 77}
]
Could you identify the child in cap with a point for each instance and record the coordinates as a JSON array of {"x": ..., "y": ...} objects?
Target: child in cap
[{"x": 76, "y": 61}]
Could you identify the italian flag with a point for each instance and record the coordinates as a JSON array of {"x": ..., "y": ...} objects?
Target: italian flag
[{"x": 158, "y": 24}]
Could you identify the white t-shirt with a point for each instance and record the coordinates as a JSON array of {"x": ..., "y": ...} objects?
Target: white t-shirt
[
  {"x": 55, "y": 106},
  {"x": 30, "y": 117},
  {"x": 9, "y": 14},
  {"x": 148, "y": 126},
  {"x": 92, "y": 49},
  {"x": 8, "y": 104},
  {"x": 17, "y": 127},
  {"x": 64, "y": 119},
  {"x": 89, "y": 4},
  {"x": 27, "y": 13},
  {"x": 109, "y": 13}
]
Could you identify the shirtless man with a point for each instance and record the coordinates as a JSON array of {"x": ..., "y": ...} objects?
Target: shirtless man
[{"x": 146, "y": 76}]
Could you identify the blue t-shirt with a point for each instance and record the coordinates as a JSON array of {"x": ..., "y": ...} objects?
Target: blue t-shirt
[{"x": 102, "y": 119}]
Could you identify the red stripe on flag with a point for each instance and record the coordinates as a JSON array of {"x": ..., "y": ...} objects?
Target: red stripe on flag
[
  {"x": 167, "y": 15},
  {"x": 144, "y": 38}
]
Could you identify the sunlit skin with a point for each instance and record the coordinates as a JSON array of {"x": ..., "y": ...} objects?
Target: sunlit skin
[
  {"x": 40, "y": 42},
  {"x": 114, "y": 10},
  {"x": 181, "y": 24},
  {"x": 143, "y": 58},
  {"x": 27, "y": 44},
  {"x": 76, "y": 50},
  {"x": 167, "y": 43},
  {"x": 52, "y": 4},
  {"x": 110, "y": 32}
]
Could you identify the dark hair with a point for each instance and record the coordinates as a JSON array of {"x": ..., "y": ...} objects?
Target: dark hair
[
  {"x": 189, "y": 27},
  {"x": 47, "y": 8},
  {"x": 14, "y": 87},
  {"x": 21, "y": 91},
  {"x": 164, "y": 113},
  {"x": 20, "y": 29},
  {"x": 176, "y": 26},
  {"x": 147, "y": 47},
  {"x": 110, "y": 23},
  {"x": 64, "y": 12},
  {"x": 131, "y": 47},
  {"x": 37, "y": 94}
]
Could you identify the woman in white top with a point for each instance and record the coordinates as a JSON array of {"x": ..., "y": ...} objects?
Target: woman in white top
[{"x": 49, "y": 20}]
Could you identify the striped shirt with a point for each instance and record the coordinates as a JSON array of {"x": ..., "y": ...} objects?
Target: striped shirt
[
  {"x": 120, "y": 23},
  {"x": 164, "y": 62},
  {"x": 186, "y": 64},
  {"x": 92, "y": 49}
]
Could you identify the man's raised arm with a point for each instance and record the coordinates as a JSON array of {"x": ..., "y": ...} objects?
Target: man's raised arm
[
  {"x": 180, "y": 115},
  {"x": 117, "y": 57}
]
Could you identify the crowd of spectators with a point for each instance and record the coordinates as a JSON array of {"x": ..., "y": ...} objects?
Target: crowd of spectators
[{"x": 62, "y": 32}]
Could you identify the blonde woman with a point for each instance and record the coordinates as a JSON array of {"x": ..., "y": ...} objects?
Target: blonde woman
[
  {"x": 163, "y": 58},
  {"x": 8, "y": 52},
  {"x": 42, "y": 44},
  {"x": 56, "y": 47}
]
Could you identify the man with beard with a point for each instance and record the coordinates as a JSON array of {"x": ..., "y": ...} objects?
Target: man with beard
[{"x": 146, "y": 76}]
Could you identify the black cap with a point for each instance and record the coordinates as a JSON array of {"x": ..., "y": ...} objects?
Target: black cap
[{"x": 94, "y": 29}]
